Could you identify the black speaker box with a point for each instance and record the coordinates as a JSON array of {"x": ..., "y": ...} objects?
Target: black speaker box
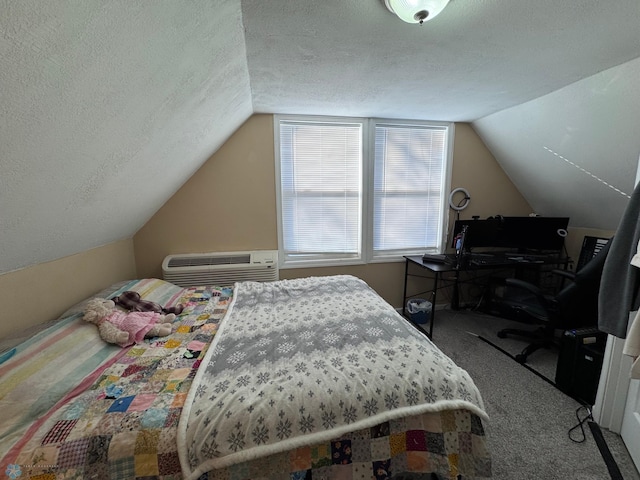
[{"x": 580, "y": 363}]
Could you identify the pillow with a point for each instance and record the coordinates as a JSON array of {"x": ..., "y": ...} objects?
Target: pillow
[
  {"x": 8, "y": 344},
  {"x": 105, "y": 293},
  {"x": 158, "y": 290}
]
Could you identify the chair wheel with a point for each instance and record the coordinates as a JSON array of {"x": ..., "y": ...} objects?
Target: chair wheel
[
  {"x": 520, "y": 358},
  {"x": 502, "y": 334}
]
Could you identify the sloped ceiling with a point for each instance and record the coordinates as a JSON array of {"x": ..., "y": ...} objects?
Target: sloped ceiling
[
  {"x": 108, "y": 107},
  {"x": 574, "y": 152}
]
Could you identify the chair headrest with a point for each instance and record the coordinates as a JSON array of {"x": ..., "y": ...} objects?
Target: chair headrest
[{"x": 594, "y": 267}]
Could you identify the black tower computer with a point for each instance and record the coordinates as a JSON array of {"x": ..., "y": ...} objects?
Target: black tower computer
[{"x": 580, "y": 363}]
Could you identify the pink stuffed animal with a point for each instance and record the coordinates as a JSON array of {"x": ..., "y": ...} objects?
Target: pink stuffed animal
[{"x": 126, "y": 328}]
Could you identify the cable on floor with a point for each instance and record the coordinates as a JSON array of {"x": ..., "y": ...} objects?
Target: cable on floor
[{"x": 581, "y": 423}]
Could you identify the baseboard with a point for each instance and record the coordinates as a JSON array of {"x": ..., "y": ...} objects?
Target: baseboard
[{"x": 607, "y": 456}]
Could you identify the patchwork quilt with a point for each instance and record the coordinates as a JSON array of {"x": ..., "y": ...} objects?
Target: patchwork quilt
[
  {"x": 121, "y": 421},
  {"x": 75, "y": 407},
  {"x": 447, "y": 445}
]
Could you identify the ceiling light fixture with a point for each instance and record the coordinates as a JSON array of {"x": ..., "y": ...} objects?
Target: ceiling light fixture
[{"x": 416, "y": 11}]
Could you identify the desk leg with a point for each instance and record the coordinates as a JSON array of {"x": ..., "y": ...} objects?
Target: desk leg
[
  {"x": 433, "y": 301},
  {"x": 455, "y": 295},
  {"x": 433, "y": 304},
  {"x": 404, "y": 293}
]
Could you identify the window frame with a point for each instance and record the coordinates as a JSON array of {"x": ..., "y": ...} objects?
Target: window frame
[
  {"x": 366, "y": 254},
  {"x": 445, "y": 186}
]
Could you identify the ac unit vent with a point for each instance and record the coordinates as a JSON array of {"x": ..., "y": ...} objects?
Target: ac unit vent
[
  {"x": 182, "y": 261},
  {"x": 222, "y": 269}
]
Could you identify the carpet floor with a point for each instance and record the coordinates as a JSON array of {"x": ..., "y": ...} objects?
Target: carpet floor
[{"x": 530, "y": 419}]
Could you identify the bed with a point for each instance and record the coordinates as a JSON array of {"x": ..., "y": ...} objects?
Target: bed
[{"x": 298, "y": 379}]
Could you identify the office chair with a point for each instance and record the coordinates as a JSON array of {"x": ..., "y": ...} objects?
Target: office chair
[{"x": 574, "y": 306}]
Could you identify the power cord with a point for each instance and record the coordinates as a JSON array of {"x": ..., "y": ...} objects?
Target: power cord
[{"x": 581, "y": 423}]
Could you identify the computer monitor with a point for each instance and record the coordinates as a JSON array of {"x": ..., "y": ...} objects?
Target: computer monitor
[
  {"x": 521, "y": 233},
  {"x": 480, "y": 233},
  {"x": 536, "y": 233}
]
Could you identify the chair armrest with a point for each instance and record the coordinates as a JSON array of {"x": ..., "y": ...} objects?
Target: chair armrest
[
  {"x": 530, "y": 287},
  {"x": 568, "y": 274}
]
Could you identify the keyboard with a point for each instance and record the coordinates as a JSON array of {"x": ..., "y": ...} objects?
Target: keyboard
[
  {"x": 509, "y": 258},
  {"x": 438, "y": 258},
  {"x": 475, "y": 259}
]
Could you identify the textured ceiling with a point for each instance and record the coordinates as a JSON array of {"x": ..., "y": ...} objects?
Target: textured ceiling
[
  {"x": 108, "y": 107},
  {"x": 476, "y": 58}
]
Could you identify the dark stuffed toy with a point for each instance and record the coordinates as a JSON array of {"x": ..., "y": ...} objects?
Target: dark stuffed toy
[{"x": 131, "y": 301}]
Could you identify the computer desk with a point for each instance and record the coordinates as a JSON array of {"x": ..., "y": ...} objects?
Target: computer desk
[{"x": 471, "y": 262}]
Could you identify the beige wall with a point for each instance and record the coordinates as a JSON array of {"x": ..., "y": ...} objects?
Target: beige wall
[
  {"x": 230, "y": 205},
  {"x": 475, "y": 169},
  {"x": 42, "y": 292}
]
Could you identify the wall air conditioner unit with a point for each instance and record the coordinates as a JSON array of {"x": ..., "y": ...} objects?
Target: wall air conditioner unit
[{"x": 222, "y": 269}]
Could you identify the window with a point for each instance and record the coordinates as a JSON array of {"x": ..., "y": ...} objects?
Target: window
[
  {"x": 343, "y": 199},
  {"x": 409, "y": 175}
]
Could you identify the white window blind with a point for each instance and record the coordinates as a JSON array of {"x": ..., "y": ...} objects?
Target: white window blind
[
  {"x": 353, "y": 190},
  {"x": 409, "y": 179},
  {"x": 320, "y": 190}
]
